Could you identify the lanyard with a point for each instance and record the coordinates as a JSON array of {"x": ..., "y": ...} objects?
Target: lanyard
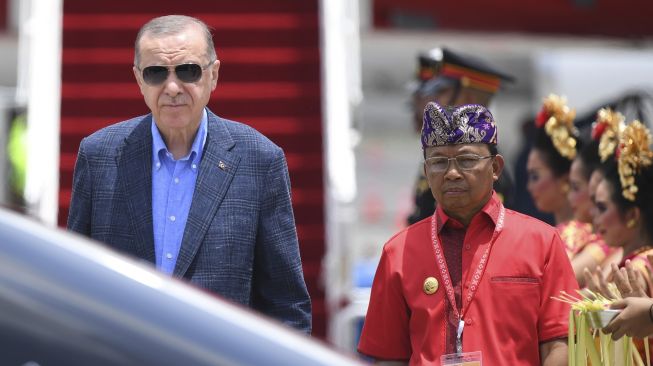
[{"x": 476, "y": 278}]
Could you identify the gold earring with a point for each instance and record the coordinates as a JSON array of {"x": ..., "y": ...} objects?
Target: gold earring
[
  {"x": 565, "y": 188},
  {"x": 631, "y": 223}
]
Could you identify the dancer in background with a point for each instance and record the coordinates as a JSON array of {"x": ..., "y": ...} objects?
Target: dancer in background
[{"x": 585, "y": 248}]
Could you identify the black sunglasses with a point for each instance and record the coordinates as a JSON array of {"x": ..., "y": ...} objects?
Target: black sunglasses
[{"x": 187, "y": 73}]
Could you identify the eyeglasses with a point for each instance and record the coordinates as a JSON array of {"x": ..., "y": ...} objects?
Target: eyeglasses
[
  {"x": 440, "y": 164},
  {"x": 187, "y": 73}
]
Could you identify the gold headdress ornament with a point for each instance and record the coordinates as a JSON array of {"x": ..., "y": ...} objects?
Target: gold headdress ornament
[
  {"x": 607, "y": 128},
  {"x": 634, "y": 154},
  {"x": 558, "y": 122}
]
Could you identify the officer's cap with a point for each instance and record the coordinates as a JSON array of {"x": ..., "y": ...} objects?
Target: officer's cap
[{"x": 441, "y": 67}]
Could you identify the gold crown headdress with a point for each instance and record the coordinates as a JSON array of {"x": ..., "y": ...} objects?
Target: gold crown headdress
[
  {"x": 634, "y": 154},
  {"x": 607, "y": 128},
  {"x": 558, "y": 122}
]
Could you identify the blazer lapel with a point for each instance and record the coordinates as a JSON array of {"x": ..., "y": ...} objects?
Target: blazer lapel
[
  {"x": 217, "y": 170},
  {"x": 135, "y": 177}
]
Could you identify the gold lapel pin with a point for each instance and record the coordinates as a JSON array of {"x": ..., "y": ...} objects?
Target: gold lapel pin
[
  {"x": 430, "y": 285},
  {"x": 222, "y": 165}
]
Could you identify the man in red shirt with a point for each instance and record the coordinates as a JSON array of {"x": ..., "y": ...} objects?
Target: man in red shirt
[{"x": 474, "y": 281}]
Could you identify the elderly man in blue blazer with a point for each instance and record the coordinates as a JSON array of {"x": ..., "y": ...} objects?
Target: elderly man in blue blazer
[{"x": 201, "y": 197}]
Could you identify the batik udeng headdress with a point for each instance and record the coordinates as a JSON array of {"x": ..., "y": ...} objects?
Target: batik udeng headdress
[
  {"x": 633, "y": 155},
  {"x": 466, "y": 124},
  {"x": 607, "y": 128},
  {"x": 558, "y": 122}
]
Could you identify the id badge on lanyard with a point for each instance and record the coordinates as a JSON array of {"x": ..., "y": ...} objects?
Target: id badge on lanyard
[{"x": 462, "y": 359}]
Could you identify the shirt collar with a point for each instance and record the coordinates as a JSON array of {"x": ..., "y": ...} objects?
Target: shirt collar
[
  {"x": 491, "y": 210},
  {"x": 195, "y": 154}
]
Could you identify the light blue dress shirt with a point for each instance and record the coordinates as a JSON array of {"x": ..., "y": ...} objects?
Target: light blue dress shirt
[{"x": 173, "y": 184}]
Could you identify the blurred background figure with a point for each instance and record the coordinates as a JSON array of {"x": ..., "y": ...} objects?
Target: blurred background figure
[
  {"x": 523, "y": 201},
  {"x": 550, "y": 157},
  {"x": 449, "y": 78},
  {"x": 559, "y": 167},
  {"x": 17, "y": 159},
  {"x": 624, "y": 214},
  {"x": 585, "y": 247}
]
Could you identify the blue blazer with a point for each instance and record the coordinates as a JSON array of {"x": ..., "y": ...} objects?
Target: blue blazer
[{"x": 240, "y": 240}]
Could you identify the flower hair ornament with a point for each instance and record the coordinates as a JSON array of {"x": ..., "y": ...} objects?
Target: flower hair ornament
[
  {"x": 634, "y": 154},
  {"x": 558, "y": 122},
  {"x": 606, "y": 129}
]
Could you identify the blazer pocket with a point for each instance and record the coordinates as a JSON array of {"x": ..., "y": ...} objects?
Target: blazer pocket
[{"x": 518, "y": 280}]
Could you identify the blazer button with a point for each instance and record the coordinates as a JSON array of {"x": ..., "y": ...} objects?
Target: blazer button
[{"x": 469, "y": 321}]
